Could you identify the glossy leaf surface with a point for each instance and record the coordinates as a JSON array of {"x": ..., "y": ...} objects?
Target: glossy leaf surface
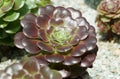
[
  {"x": 12, "y": 16},
  {"x": 29, "y": 68},
  {"x": 63, "y": 39},
  {"x": 18, "y": 4}
]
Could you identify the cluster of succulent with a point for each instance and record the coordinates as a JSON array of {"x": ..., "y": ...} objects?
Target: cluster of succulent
[
  {"x": 28, "y": 68},
  {"x": 93, "y": 3},
  {"x": 11, "y": 11},
  {"x": 60, "y": 38},
  {"x": 108, "y": 18}
]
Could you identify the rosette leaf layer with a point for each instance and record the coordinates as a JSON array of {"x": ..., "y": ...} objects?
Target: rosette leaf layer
[
  {"x": 110, "y": 8},
  {"x": 58, "y": 35},
  {"x": 29, "y": 69}
]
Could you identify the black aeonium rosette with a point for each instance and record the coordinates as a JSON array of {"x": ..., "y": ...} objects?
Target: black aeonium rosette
[{"x": 58, "y": 35}]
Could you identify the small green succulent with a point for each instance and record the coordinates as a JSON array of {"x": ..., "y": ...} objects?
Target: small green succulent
[
  {"x": 11, "y": 11},
  {"x": 93, "y": 3}
]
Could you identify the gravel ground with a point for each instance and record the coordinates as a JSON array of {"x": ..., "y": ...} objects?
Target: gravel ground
[{"x": 107, "y": 63}]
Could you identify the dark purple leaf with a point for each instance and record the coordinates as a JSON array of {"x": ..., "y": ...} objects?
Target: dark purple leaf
[
  {"x": 30, "y": 30},
  {"x": 49, "y": 31},
  {"x": 69, "y": 60},
  {"x": 43, "y": 35},
  {"x": 42, "y": 21},
  {"x": 92, "y": 31},
  {"x": 30, "y": 45},
  {"x": 60, "y": 12},
  {"x": 45, "y": 47},
  {"x": 31, "y": 66},
  {"x": 18, "y": 40},
  {"x": 28, "y": 18},
  {"x": 64, "y": 48},
  {"x": 48, "y": 10},
  {"x": 82, "y": 22},
  {"x": 82, "y": 32},
  {"x": 56, "y": 58},
  {"x": 79, "y": 50},
  {"x": 56, "y": 22},
  {"x": 74, "y": 13},
  {"x": 88, "y": 60},
  {"x": 70, "y": 23},
  {"x": 41, "y": 60},
  {"x": 75, "y": 40},
  {"x": 90, "y": 42}
]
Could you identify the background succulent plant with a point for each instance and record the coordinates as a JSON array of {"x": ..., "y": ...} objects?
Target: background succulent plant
[
  {"x": 28, "y": 68},
  {"x": 59, "y": 37},
  {"x": 11, "y": 11},
  {"x": 108, "y": 18},
  {"x": 93, "y": 3}
]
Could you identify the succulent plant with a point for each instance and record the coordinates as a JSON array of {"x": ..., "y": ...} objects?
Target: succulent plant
[
  {"x": 108, "y": 18},
  {"x": 109, "y": 8},
  {"x": 116, "y": 27},
  {"x": 59, "y": 37},
  {"x": 93, "y": 3},
  {"x": 11, "y": 11},
  {"x": 28, "y": 68}
]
